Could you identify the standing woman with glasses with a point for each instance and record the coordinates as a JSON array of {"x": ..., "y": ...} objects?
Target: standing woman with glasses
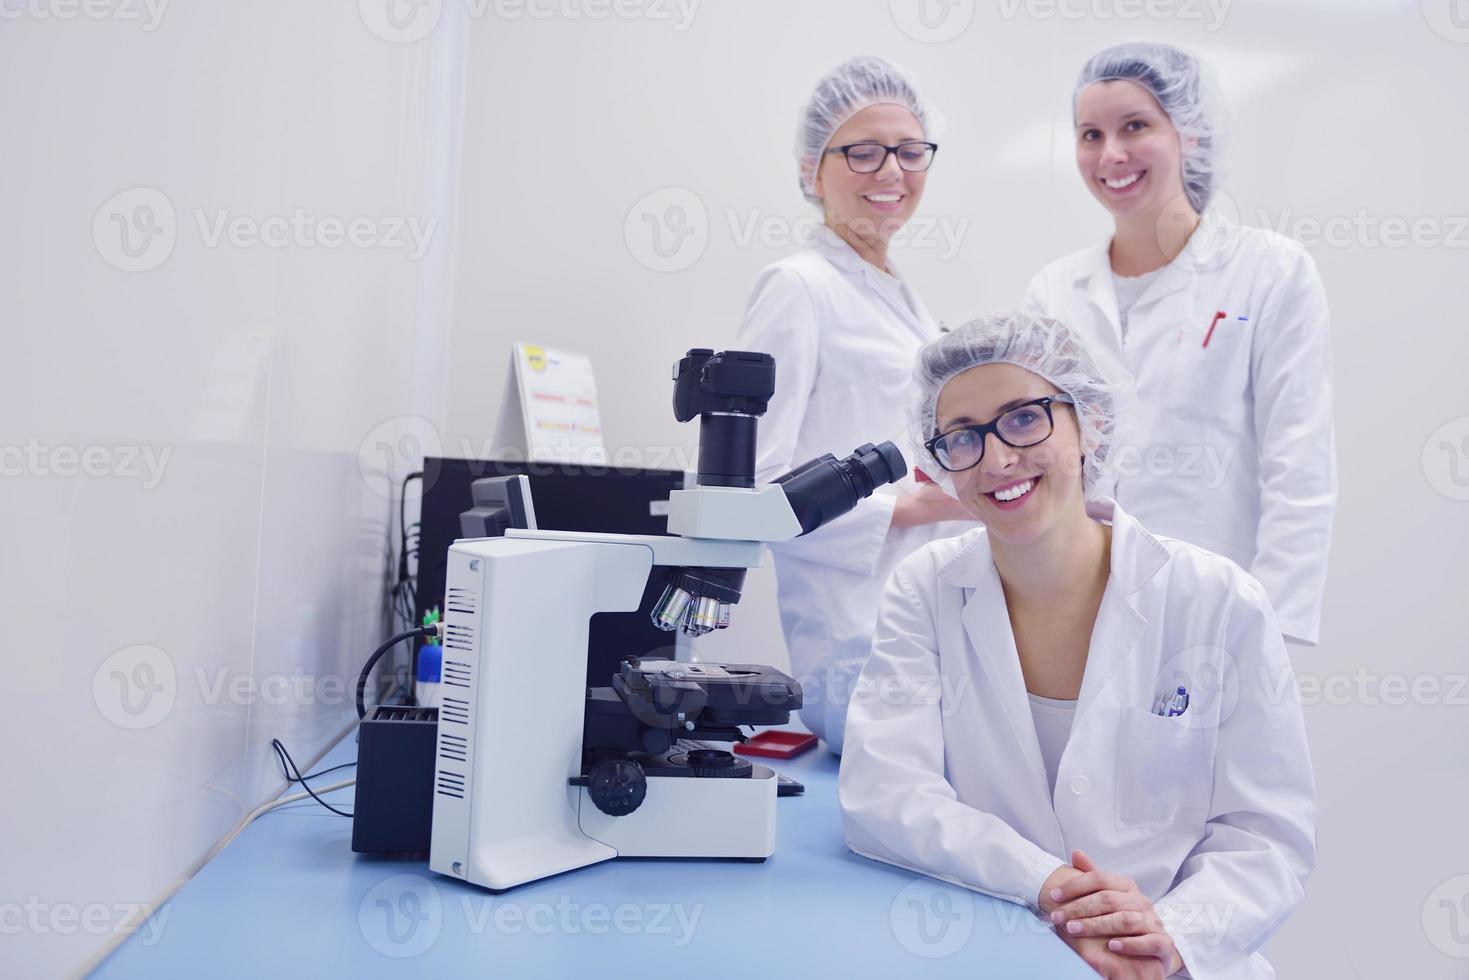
[
  {"x": 844, "y": 329},
  {"x": 1224, "y": 329}
]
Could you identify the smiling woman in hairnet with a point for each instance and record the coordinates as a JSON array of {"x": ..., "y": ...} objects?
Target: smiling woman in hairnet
[
  {"x": 1065, "y": 710},
  {"x": 1223, "y": 327},
  {"x": 843, "y": 328}
]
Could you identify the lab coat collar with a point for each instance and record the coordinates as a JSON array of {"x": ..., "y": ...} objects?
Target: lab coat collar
[
  {"x": 1136, "y": 557},
  {"x": 842, "y": 255},
  {"x": 1095, "y": 271},
  {"x": 1213, "y": 242},
  {"x": 890, "y": 287},
  {"x": 1136, "y": 554}
]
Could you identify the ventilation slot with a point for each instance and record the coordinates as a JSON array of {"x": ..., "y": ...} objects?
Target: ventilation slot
[
  {"x": 456, "y": 673},
  {"x": 459, "y": 638},
  {"x": 450, "y": 784},
  {"x": 455, "y": 710},
  {"x": 453, "y": 747},
  {"x": 398, "y": 712},
  {"x": 460, "y": 601}
]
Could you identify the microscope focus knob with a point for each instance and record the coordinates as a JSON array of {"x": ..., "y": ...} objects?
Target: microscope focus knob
[{"x": 617, "y": 786}]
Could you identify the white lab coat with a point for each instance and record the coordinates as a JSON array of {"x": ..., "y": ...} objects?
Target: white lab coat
[
  {"x": 844, "y": 336},
  {"x": 1212, "y": 813},
  {"x": 1232, "y": 446}
]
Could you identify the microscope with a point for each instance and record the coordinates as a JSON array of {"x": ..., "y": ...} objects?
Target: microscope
[{"x": 537, "y": 774}]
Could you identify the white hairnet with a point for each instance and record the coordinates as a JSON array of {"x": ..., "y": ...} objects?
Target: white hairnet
[
  {"x": 1044, "y": 346},
  {"x": 842, "y": 93},
  {"x": 1187, "y": 91}
]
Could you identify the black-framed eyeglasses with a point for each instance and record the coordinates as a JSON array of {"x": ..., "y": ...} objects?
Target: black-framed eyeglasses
[
  {"x": 1021, "y": 427},
  {"x": 868, "y": 157}
]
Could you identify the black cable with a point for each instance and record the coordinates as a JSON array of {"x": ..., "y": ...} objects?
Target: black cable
[
  {"x": 313, "y": 775},
  {"x": 377, "y": 654},
  {"x": 403, "y": 523},
  {"x": 287, "y": 761},
  {"x": 403, "y": 592}
]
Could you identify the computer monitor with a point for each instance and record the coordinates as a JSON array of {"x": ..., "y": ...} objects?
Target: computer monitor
[{"x": 565, "y": 497}]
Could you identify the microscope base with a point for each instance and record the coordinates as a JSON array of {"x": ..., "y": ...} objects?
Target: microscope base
[{"x": 692, "y": 818}]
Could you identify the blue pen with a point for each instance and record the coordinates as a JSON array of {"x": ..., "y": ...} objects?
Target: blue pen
[{"x": 1178, "y": 704}]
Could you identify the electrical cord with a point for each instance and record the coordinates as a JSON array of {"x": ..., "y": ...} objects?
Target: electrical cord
[
  {"x": 377, "y": 654},
  {"x": 403, "y": 523},
  {"x": 310, "y": 775},
  {"x": 276, "y": 804},
  {"x": 289, "y": 765}
]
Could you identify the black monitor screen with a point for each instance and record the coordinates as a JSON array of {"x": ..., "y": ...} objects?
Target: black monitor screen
[{"x": 565, "y": 498}]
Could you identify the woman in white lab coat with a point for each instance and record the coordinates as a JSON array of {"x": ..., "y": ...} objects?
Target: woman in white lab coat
[
  {"x": 843, "y": 328},
  {"x": 1063, "y": 709},
  {"x": 1224, "y": 329}
]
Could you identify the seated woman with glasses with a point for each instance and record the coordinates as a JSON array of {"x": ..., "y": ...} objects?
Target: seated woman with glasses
[
  {"x": 1064, "y": 710},
  {"x": 843, "y": 327}
]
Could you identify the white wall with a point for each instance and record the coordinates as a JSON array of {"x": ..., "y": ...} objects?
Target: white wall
[
  {"x": 1344, "y": 109},
  {"x": 142, "y": 609}
]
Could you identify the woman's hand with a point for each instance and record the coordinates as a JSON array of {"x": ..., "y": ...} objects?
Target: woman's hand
[
  {"x": 928, "y": 505},
  {"x": 1096, "y": 904},
  {"x": 1111, "y": 965}
]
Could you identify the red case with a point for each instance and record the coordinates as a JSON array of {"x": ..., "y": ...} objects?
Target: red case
[{"x": 777, "y": 744}]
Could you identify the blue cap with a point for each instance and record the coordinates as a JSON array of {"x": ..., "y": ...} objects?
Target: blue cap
[{"x": 430, "y": 663}]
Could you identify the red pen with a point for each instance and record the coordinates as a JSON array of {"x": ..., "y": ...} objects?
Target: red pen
[{"x": 1217, "y": 317}]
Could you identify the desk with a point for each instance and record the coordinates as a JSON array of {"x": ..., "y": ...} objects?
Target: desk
[{"x": 288, "y": 898}]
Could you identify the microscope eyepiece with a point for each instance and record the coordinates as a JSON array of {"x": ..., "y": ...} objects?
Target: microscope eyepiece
[
  {"x": 826, "y": 488},
  {"x": 728, "y": 391}
]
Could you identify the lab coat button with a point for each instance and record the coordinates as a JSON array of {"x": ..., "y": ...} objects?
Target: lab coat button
[{"x": 1079, "y": 785}]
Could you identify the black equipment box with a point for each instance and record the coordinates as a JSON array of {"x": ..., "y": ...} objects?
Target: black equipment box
[{"x": 394, "y": 807}]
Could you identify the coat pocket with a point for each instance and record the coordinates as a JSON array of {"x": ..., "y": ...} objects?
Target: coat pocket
[
  {"x": 1162, "y": 768},
  {"x": 1213, "y": 383}
]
